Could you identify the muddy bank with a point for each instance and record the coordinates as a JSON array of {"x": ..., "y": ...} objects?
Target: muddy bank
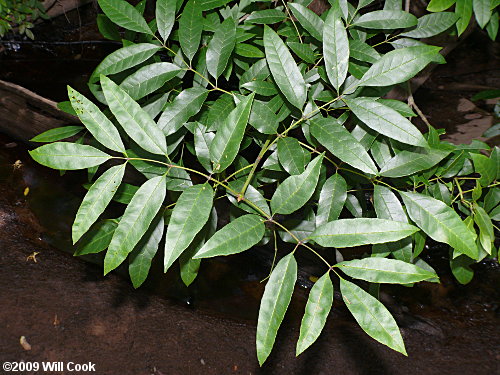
[{"x": 69, "y": 312}]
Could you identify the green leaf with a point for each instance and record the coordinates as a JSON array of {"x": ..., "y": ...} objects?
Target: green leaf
[
  {"x": 387, "y": 121},
  {"x": 135, "y": 221},
  {"x": 332, "y": 135},
  {"x": 187, "y": 104},
  {"x": 485, "y": 167},
  {"x": 248, "y": 50},
  {"x": 97, "y": 239},
  {"x": 57, "y": 134},
  {"x": 189, "y": 267},
  {"x": 387, "y": 206},
  {"x": 68, "y": 156},
  {"x": 212, "y": 4},
  {"x": 251, "y": 194},
  {"x": 220, "y": 47},
  {"x": 308, "y": 20},
  {"x": 463, "y": 9},
  {"x": 318, "y": 307},
  {"x": 460, "y": 267},
  {"x": 267, "y": 16},
  {"x": 274, "y": 303},
  {"x": 296, "y": 190},
  {"x": 486, "y": 232},
  {"x": 125, "y": 15},
  {"x": 134, "y": 120},
  {"x": 440, "y": 222},
  {"x": 399, "y": 106},
  {"x": 360, "y": 231},
  {"x": 190, "y": 214},
  {"x": 237, "y": 236},
  {"x": 165, "y": 17},
  {"x": 439, "y": 5},
  {"x": 407, "y": 162},
  {"x": 97, "y": 199},
  {"x": 124, "y": 193},
  {"x": 493, "y": 25},
  {"x": 361, "y": 51},
  {"x": 292, "y": 156},
  {"x": 285, "y": 72},
  {"x": 331, "y": 199},
  {"x": 226, "y": 144},
  {"x": 190, "y": 28},
  {"x": 257, "y": 72},
  {"x": 386, "y": 19},
  {"x": 107, "y": 28},
  {"x": 263, "y": 88},
  {"x": 219, "y": 111},
  {"x": 482, "y": 12},
  {"x": 140, "y": 259},
  {"x": 381, "y": 151},
  {"x": 263, "y": 118},
  {"x": 335, "y": 48},
  {"x": 303, "y": 51},
  {"x": 149, "y": 79},
  {"x": 398, "y": 66},
  {"x": 202, "y": 141},
  {"x": 103, "y": 130},
  {"x": 432, "y": 24},
  {"x": 383, "y": 270},
  {"x": 372, "y": 316}
]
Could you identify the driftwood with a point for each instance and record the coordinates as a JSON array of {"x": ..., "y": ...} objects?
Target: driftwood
[{"x": 24, "y": 114}]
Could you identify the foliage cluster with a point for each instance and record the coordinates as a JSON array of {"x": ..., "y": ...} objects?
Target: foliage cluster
[
  {"x": 20, "y": 14},
  {"x": 277, "y": 113}
]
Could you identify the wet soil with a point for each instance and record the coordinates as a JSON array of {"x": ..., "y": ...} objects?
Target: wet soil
[{"x": 68, "y": 311}]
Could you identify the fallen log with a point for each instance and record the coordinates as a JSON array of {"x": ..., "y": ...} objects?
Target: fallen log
[{"x": 24, "y": 114}]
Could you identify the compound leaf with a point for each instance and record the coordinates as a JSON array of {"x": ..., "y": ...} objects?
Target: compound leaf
[
  {"x": 226, "y": 144},
  {"x": 190, "y": 28},
  {"x": 387, "y": 121},
  {"x": 285, "y": 72},
  {"x": 165, "y": 17},
  {"x": 274, "y": 303},
  {"x": 335, "y": 48},
  {"x": 125, "y": 15},
  {"x": 237, "y": 236},
  {"x": 144, "y": 252},
  {"x": 360, "y": 231},
  {"x": 97, "y": 199},
  {"x": 135, "y": 221},
  {"x": 332, "y": 135},
  {"x": 220, "y": 47},
  {"x": 68, "y": 156},
  {"x": 372, "y": 316},
  {"x": 331, "y": 199},
  {"x": 190, "y": 214},
  {"x": 398, "y": 66},
  {"x": 187, "y": 104},
  {"x": 95, "y": 121},
  {"x": 318, "y": 307},
  {"x": 296, "y": 190},
  {"x": 440, "y": 222},
  {"x": 383, "y": 270}
]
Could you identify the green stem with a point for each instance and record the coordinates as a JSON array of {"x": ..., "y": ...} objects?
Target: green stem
[
  {"x": 254, "y": 167},
  {"x": 209, "y": 178}
]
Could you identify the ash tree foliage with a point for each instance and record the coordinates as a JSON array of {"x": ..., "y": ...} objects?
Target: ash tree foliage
[{"x": 279, "y": 113}]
